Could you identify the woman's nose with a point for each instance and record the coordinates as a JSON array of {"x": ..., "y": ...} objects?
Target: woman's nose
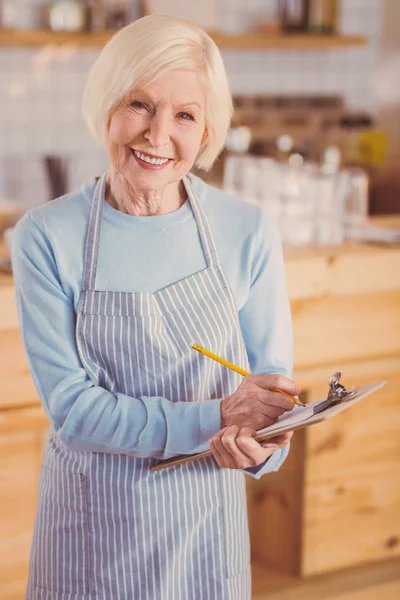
[{"x": 158, "y": 133}]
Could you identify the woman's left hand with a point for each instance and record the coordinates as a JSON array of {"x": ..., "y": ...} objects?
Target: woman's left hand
[{"x": 235, "y": 447}]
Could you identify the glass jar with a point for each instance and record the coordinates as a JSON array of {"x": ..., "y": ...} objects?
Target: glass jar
[
  {"x": 67, "y": 15},
  {"x": 20, "y": 15},
  {"x": 293, "y": 15},
  {"x": 355, "y": 214}
]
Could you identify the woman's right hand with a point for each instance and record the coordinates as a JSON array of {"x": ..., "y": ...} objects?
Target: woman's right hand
[{"x": 255, "y": 405}]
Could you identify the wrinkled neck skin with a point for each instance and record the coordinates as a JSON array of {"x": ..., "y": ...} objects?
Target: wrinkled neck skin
[{"x": 126, "y": 198}]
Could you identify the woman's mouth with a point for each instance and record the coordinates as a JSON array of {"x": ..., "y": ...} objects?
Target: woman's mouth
[{"x": 147, "y": 161}]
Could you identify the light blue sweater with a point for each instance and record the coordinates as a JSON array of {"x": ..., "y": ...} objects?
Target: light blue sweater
[{"x": 142, "y": 254}]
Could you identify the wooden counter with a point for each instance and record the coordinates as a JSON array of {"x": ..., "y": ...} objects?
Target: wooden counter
[{"x": 336, "y": 501}]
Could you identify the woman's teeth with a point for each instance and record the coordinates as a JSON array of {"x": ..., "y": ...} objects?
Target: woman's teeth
[{"x": 151, "y": 161}]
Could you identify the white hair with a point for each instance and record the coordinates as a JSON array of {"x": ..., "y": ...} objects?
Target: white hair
[{"x": 141, "y": 51}]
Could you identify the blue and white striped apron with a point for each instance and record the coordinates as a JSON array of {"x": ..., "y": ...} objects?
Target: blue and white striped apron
[{"x": 107, "y": 526}]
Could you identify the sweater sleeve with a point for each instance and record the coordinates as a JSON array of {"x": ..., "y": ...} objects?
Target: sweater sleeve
[
  {"x": 266, "y": 320},
  {"x": 85, "y": 416}
]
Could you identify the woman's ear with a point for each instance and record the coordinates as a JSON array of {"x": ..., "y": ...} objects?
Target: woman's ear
[{"x": 204, "y": 138}]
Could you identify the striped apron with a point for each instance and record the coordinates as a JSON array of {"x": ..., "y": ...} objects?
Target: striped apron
[{"x": 108, "y": 527}]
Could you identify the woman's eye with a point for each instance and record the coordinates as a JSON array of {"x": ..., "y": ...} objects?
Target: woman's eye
[
  {"x": 186, "y": 116},
  {"x": 137, "y": 104}
]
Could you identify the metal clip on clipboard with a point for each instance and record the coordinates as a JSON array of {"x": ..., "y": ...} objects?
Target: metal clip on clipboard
[{"x": 337, "y": 393}]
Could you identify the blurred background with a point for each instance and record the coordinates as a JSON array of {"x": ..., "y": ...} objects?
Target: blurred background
[{"x": 315, "y": 142}]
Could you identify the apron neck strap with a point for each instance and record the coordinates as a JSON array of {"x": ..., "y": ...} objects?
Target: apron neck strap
[
  {"x": 206, "y": 237},
  {"x": 91, "y": 255},
  {"x": 92, "y": 244}
]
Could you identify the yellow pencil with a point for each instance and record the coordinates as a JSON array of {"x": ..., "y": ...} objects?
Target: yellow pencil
[{"x": 233, "y": 367}]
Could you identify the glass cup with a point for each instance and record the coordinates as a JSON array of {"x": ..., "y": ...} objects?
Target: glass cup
[{"x": 355, "y": 212}]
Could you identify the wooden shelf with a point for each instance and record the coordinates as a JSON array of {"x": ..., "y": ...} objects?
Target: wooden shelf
[
  {"x": 258, "y": 41},
  {"x": 42, "y": 38},
  {"x": 247, "y": 41}
]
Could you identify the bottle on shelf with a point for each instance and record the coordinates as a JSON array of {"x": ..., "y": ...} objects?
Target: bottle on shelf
[
  {"x": 322, "y": 16},
  {"x": 96, "y": 15},
  {"x": 353, "y": 126},
  {"x": 293, "y": 15},
  {"x": 117, "y": 14}
]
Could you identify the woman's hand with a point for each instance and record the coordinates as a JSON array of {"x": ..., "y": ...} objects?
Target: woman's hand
[
  {"x": 254, "y": 405},
  {"x": 236, "y": 448}
]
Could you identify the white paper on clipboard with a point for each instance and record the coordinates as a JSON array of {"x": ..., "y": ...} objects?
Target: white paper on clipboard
[{"x": 301, "y": 417}]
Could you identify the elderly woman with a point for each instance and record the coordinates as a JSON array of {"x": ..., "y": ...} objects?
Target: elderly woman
[{"x": 114, "y": 283}]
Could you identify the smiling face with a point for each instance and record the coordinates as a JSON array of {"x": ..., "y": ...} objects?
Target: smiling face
[{"x": 156, "y": 132}]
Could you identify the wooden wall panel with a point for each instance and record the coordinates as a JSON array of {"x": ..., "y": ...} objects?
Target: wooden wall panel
[
  {"x": 352, "y": 475},
  {"x": 17, "y": 388},
  {"x": 351, "y": 520},
  {"x": 336, "y": 501},
  {"x": 366, "y": 435},
  {"x": 20, "y": 459},
  {"x": 275, "y": 507},
  {"x": 372, "y": 581},
  {"x": 8, "y": 312},
  {"x": 343, "y": 270},
  {"x": 346, "y": 328}
]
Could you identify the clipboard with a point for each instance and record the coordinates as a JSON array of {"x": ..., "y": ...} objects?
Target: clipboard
[{"x": 338, "y": 400}]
